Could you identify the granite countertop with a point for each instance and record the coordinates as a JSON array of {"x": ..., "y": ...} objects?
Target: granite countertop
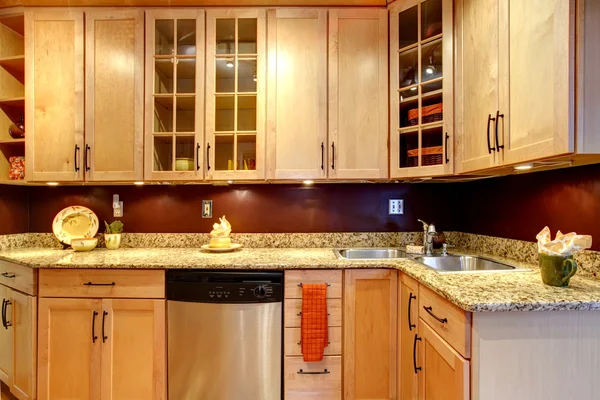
[{"x": 476, "y": 292}]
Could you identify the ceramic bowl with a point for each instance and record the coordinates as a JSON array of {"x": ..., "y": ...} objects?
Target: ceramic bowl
[
  {"x": 84, "y": 244},
  {"x": 184, "y": 164}
]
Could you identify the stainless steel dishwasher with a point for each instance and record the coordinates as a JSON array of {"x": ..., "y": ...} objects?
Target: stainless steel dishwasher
[{"x": 224, "y": 334}]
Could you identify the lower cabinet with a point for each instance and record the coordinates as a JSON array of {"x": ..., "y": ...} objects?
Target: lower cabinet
[
  {"x": 408, "y": 335},
  {"x": 101, "y": 349}
]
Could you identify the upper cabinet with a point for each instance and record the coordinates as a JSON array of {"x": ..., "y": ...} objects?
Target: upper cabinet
[
  {"x": 174, "y": 146},
  {"x": 297, "y": 94},
  {"x": 421, "y": 88},
  {"x": 235, "y": 94},
  {"x": 54, "y": 95},
  {"x": 114, "y": 93},
  {"x": 358, "y": 104}
]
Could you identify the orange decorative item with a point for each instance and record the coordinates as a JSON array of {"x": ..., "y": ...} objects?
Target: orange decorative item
[
  {"x": 314, "y": 334},
  {"x": 16, "y": 170},
  {"x": 429, "y": 114},
  {"x": 429, "y": 156}
]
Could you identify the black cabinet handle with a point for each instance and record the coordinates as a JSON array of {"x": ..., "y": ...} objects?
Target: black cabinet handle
[
  {"x": 94, "y": 337},
  {"x": 417, "y": 338},
  {"x": 99, "y": 284},
  {"x": 410, "y": 324},
  {"x": 446, "y": 148},
  {"x": 332, "y": 155},
  {"x": 4, "y": 314},
  {"x": 430, "y": 312},
  {"x": 498, "y": 115},
  {"x": 301, "y": 372},
  {"x": 77, "y": 148},
  {"x": 490, "y": 148},
  {"x": 7, "y": 323},
  {"x": 322, "y": 155},
  {"x": 8, "y": 275},
  {"x": 87, "y": 152},
  {"x": 208, "y": 156},
  {"x": 197, "y": 156},
  {"x": 104, "y": 337}
]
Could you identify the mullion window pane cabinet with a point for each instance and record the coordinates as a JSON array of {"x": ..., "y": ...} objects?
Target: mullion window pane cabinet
[
  {"x": 235, "y": 94},
  {"x": 174, "y": 120},
  {"x": 421, "y": 87}
]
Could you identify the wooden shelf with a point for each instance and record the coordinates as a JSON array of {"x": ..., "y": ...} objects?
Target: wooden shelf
[
  {"x": 12, "y": 142},
  {"x": 11, "y": 182},
  {"x": 13, "y": 102},
  {"x": 15, "y": 66},
  {"x": 14, "y": 22}
]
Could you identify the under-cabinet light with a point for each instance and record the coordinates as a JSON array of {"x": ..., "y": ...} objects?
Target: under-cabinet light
[
  {"x": 308, "y": 182},
  {"x": 138, "y": 183},
  {"x": 52, "y": 183},
  {"x": 523, "y": 167},
  {"x": 230, "y": 182}
]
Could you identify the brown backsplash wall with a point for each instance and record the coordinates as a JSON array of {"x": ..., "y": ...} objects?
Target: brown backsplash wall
[
  {"x": 253, "y": 208},
  {"x": 519, "y": 206},
  {"x": 13, "y": 209}
]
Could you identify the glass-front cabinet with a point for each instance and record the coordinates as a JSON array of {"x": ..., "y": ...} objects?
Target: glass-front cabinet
[
  {"x": 421, "y": 79},
  {"x": 235, "y": 94},
  {"x": 174, "y": 95}
]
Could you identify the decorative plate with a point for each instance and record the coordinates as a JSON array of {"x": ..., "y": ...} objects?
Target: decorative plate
[
  {"x": 233, "y": 247},
  {"x": 75, "y": 222}
]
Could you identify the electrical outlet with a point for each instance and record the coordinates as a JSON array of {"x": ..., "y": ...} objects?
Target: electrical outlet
[
  {"x": 207, "y": 208},
  {"x": 118, "y": 211},
  {"x": 396, "y": 207}
]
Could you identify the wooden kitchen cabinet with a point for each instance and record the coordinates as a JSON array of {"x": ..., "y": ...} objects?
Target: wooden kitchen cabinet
[
  {"x": 297, "y": 94},
  {"x": 6, "y": 342},
  {"x": 444, "y": 373},
  {"x": 54, "y": 102},
  {"x": 408, "y": 334},
  {"x": 114, "y": 66},
  {"x": 370, "y": 322},
  {"x": 358, "y": 105},
  {"x": 421, "y": 88}
]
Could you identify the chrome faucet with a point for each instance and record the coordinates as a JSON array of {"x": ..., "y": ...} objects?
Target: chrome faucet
[{"x": 428, "y": 233}]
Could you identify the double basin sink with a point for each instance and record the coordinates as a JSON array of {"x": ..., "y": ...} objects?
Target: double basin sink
[{"x": 449, "y": 263}]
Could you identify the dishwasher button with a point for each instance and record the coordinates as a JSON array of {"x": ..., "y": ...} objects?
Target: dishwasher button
[{"x": 260, "y": 292}]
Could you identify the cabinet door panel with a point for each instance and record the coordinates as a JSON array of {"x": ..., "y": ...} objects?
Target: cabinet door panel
[
  {"x": 358, "y": 78},
  {"x": 54, "y": 95},
  {"x": 408, "y": 327},
  {"x": 537, "y": 78},
  {"x": 133, "y": 350},
  {"x": 68, "y": 356},
  {"x": 24, "y": 324},
  {"x": 370, "y": 312},
  {"x": 114, "y": 95},
  {"x": 297, "y": 94},
  {"x": 6, "y": 342},
  {"x": 476, "y": 83}
]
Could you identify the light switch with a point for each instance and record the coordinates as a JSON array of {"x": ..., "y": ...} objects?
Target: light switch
[
  {"x": 396, "y": 207},
  {"x": 207, "y": 208}
]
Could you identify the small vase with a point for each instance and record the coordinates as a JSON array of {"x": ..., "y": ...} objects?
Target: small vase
[
  {"x": 112, "y": 240},
  {"x": 17, "y": 130}
]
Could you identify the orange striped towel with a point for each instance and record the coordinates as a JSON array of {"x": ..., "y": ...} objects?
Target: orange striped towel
[{"x": 314, "y": 335}]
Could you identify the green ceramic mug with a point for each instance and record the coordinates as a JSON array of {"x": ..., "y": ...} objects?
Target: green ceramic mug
[{"x": 557, "y": 270}]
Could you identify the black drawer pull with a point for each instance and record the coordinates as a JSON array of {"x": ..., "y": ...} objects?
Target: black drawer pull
[
  {"x": 332, "y": 155},
  {"x": 430, "y": 312},
  {"x": 208, "y": 156},
  {"x": 300, "y": 285},
  {"x": 197, "y": 156},
  {"x": 94, "y": 337},
  {"x": 410, "y": 324},
  {"x": 498, "y": 116},
  {"x": 6, "y": 322},
  {"x": 87, "y": 151},
  {"x": 99, "y": 284},
  {"x": 8, "y": 275},
  {"x": 322, "y": 155},
  {"x": 300, "y": 314},
  {"x": 446, "y": 148},
  {"x": 301, "y": 372},
  {"x": 300, "y": 342},
  {"x": 77, "y": 148},
  {"x": 490, "y": 148},
  {"x": 104, "y": 337},
  {"x": 417, "y": 369},
  {"x": 4, "y": 301}
]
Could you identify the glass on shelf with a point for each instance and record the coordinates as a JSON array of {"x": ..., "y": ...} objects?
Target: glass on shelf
[
  {"x": 224, "y": 114},
  {"x": 163, "y": 153},
  {"x": 186, "y": 37},
  {"x": 408, "y": 65},
  {"x": 225, "y": 75},
  {"x": 185, "y": 115},
  {"x": 431, "y": 60},
  {"x": 225, "y": 36},
  {"x": 163, "y": 37},
  {"x": 163, "y": 76},
  {"x": 408, "y": 29},
  {"x": 409, "y": 108},
  {"x": 247, "y": 76},
  {"x": 163, "y": 114},
  {"x": 432, "y": 146},
  {"x": 224, "y": 158},
  {"x": 247, "y": 36},
  {"x": 430, "y": 88},
  {"x": 246, "y": 152},
  {"x": 186, "y": 76},
  {"x": 246, "y": 113},
  {"x": 184, "y": 153},
  {"x": 409, "y": 149},
  {"x": 431, "y": 18}
]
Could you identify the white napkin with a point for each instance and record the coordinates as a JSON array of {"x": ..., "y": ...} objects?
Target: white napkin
[{"x": 563, "y": 245}]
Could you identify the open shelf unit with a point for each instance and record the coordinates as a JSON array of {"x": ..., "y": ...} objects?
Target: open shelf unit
[{"x": 12, "y": 88}]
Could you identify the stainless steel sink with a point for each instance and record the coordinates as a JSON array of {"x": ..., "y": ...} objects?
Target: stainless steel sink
[
  {"x": 369, "y": 254},
  {"x": 465, "y": 263}
]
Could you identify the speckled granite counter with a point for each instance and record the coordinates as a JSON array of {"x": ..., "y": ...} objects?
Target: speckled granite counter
[{"x": 477, "y": 292}]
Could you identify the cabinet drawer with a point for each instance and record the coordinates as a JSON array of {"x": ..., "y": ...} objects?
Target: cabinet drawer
[
  {"x": 126, "y": 283},
  {"x": 294, "y": 306},
  {"x": 18, "y": 277},
  {"x": 453, "y": 324},
  {"x": 294, "y": 278},
  {"x": 299, "y": 385},
  {"x": 293, "y": 347}
]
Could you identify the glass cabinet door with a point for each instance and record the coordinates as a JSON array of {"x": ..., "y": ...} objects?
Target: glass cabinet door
[
  {"x": 421, "y": 94},
  {"x": 235, "y": 92},
  {"x": 174, "y": 91}
]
